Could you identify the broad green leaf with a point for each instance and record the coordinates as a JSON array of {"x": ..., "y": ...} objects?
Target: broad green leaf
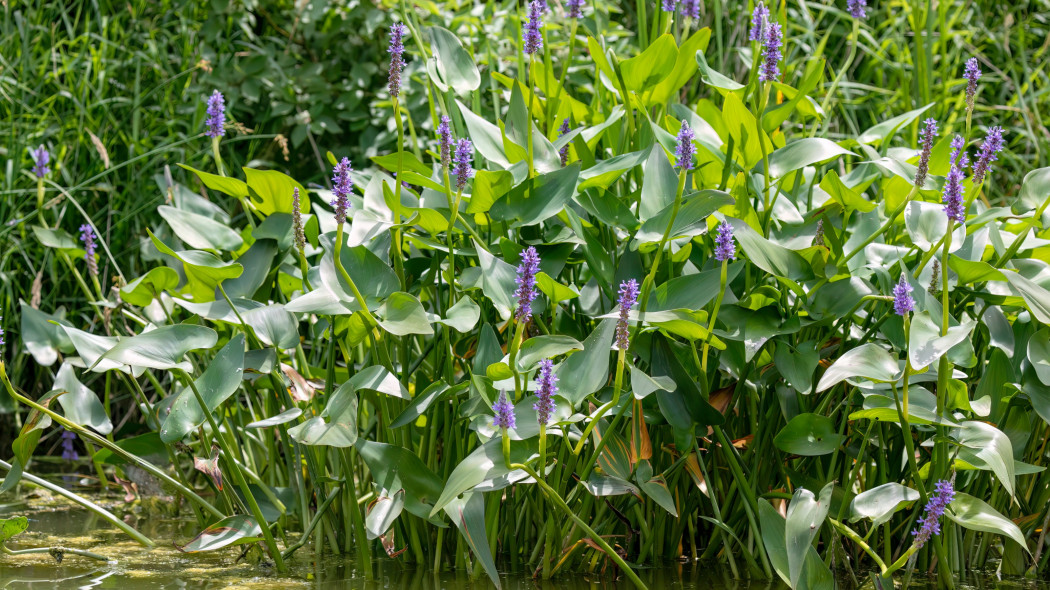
[
  {"x": 815, "y": 575},
  {"x": 402, "y": 314},
  {"x": 586, "y": 372},
  {"x": 143, "y": 290},
  {"x": 973, "y": 271},
  {"x": 204, "y": 271},
  {"x": 770, "y": 257},
  {"x": 803, "y": 152},
  {"x": 59, "y": 240},
  {"x": 489, "y": 186},
  {"x": 927, "y": 223},
  {"x": 850, "y": 199},
  {"x": 655, "y": 487},
  {"x": 378, "y": 379},
  {"x": 81, "y": 405},
  {"x": 272, "y": 191},
  {"x": 453, "y": 65},
  {"x": 1036, "y": 298},
  {"x": 372, "y": 276},
  {"x": 809, "y": 435},
  {"x": 162, "y": 348},
  {"x": 797, "y": 365},
  {"x": 282, "y": 418},
  {"x": 224, "y": 184},
  {"x": 690, "y": 220},
  {"x": 274, "y": 325},
  {"x": 886, "y": 129},
  {"x": 554, "y": 290},
  {"x": 684, "y": 68},
  {"x": 805, "y": 515},
  {"x": 714, "y": 78},
  {"x": 198, "y": 231},
  {"x": 487, "y": 138},
  {"x": 11, "y": 527},
  {"x": 646, "y": 70},
  {"x": 989, "y": 445},
  {"x": 537, "y": 348},
  {"x": 926, "y": 344},
  {"x": 498, "y": 279},
  {"x": 686, "y": 406},
  {"x": 485, "y": 470},
  {"x": 539, "y": 198},
  {"x": 390, "y": 463},
  {"x": 341, "y": 428},
  {"x": 659, "y": 184},
  {"x": 220, "y": 380},
  {"x": 880, "y": 503},
  {"x": 743, "y": 128},
  {"x": 463, "y": 316},
  {"x": 868, "y": 361},
  {"x": 976, "y": 515},
  {"x": 1039, "y": 354},
  {"x": 383, "y": 512},
  {"x": 437, "y": 391},
  {"x": 257, "y": 262},
  {"x": 468, "y": 513},
  {"x": 232, "y": 530},
  {"x": 41, "y": 337}
]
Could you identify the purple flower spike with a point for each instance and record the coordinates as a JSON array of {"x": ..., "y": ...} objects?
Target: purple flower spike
[
  {"x": 686, "y": 150},
  {"x": 297, "y": 220},
  {"x": 628, "y": 297},
  {"x": 953, "y": 186},
  {"x": 41, "y": 157},
  {"x": 69, "y": 452},
  {"x": 930, "y": 523},
  {"x": 759, "y": 20},
  {"x": 526, "y": 280},
  {"x": 902, "y": 300},
  {"x": 669, "y": 5},
  {"x": 575, "y": 8},
  {"x": 857, "y": 8},
  {"x": 397, "y": 60},
  {"x": 691, "y": 8},
  {"x": 972, "y": 73},
  {"x": 564, "y": 152},
  {"x": 342, "y": 185},
  {"x": 504, "y": 412},
  {"x": 464, "y": 158},
  {"x": 993, "y": 144},
  {"x": 725, "y": 248},
  {"x": 532, "y": 36},
  {"x": 926, "y": 136},
  {"x": 548, "y": 386},
  {"x": 445, "y": 134},
  {"x": 87, "y": 237},
  {"x": 216, "y": 121},
  {"x": 769, "y": 71}
]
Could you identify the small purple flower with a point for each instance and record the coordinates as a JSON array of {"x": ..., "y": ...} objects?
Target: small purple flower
[
  {"x": 972, "y": 73},
  {"x": 953, "y": 186},
  {"x": 445, "y": 134},
  {"x": 532, "y": 36},
  {"x": 504, "y": 411},
  {"x": 297, "y": 220},
  {"x": 216, "y": 121},
  {"x": 769, "y": 71},
  {"x": 669, "y": 5},
  {"x": 87, "y": 237},
  {"x": 342, "y": 184},
  {"x": 930, "y": 523},
  {"x": 759, "y": 20},
  {"x": 725, "y": 248},
  {"x": 902, "y": 300},
  {"x": 686, "y": 150},
  {"x": 989, "y": 152},
  {"x": 526, "y": 280},
  {"x": 1, "y": 334},
  {"x": 691, "y": 8},
  {"x": 69, "y": 453},
  {"x": 857, "y": 8},
  {"x": 397, "y": 59},
  {"x": 464, "y": 158},
  {"x": 926, "y": 136},
  {"x": 41, "y": 157},
  {"x": 548, "y": 386},
  {"x": 564, "y": 152},
  {"x": 628, "y": 297},
  {"x": 575, "y": 8}
]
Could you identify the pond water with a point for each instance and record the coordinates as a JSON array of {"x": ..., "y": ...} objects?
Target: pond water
[{"x": 164, "y": 567}]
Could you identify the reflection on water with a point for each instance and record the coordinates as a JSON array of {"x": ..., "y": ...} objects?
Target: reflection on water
[{"x": 165, "y": 568}]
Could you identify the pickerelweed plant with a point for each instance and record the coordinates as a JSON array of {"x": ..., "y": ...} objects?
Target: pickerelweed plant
[{"x": 603, "y": 306}]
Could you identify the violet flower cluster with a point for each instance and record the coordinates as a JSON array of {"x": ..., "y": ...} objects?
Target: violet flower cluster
[
  {"x": 575, "y": 8},
  {"x": 216, "y": 121},
  {"x": 930, "y": 523},
  {"x": 686, "y": 149},
  {"x": 526, "y": 280},
  {"x": 531, "y": 35},
  {"x": 69, "y": 453},
  {"x": 691, "y": 9},
  {"x": 445, "y": 138},
  {"x": 464, "y": 159},
  {"x": 504, "y": 411},
  {"x": 902, "y": 300},
  {"x": 547, "y": 386},
  {"x": 926, "y": 137},
  {"x": 857, "y": 8},
  {"x": 41, "y": 157},
  {"x": 759, "y": 20},
  {"x": 972, "y": 73},
  {"x": 668, "y": 5},
  {"x": 397, "y": 59},
  {"x": 725, "y": 247},
  {"x": 342, "y": 184},
  {"x": 87, "y": 237},
  {"x": 769, "y": 70},
  {"x": 989, "y": 152},
  {"x": 628, "y": 297},
  {"x": 953, "y": 185}
]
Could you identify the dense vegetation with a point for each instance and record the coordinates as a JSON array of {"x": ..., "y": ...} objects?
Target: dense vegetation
[{"x": 766, "y": 286}]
